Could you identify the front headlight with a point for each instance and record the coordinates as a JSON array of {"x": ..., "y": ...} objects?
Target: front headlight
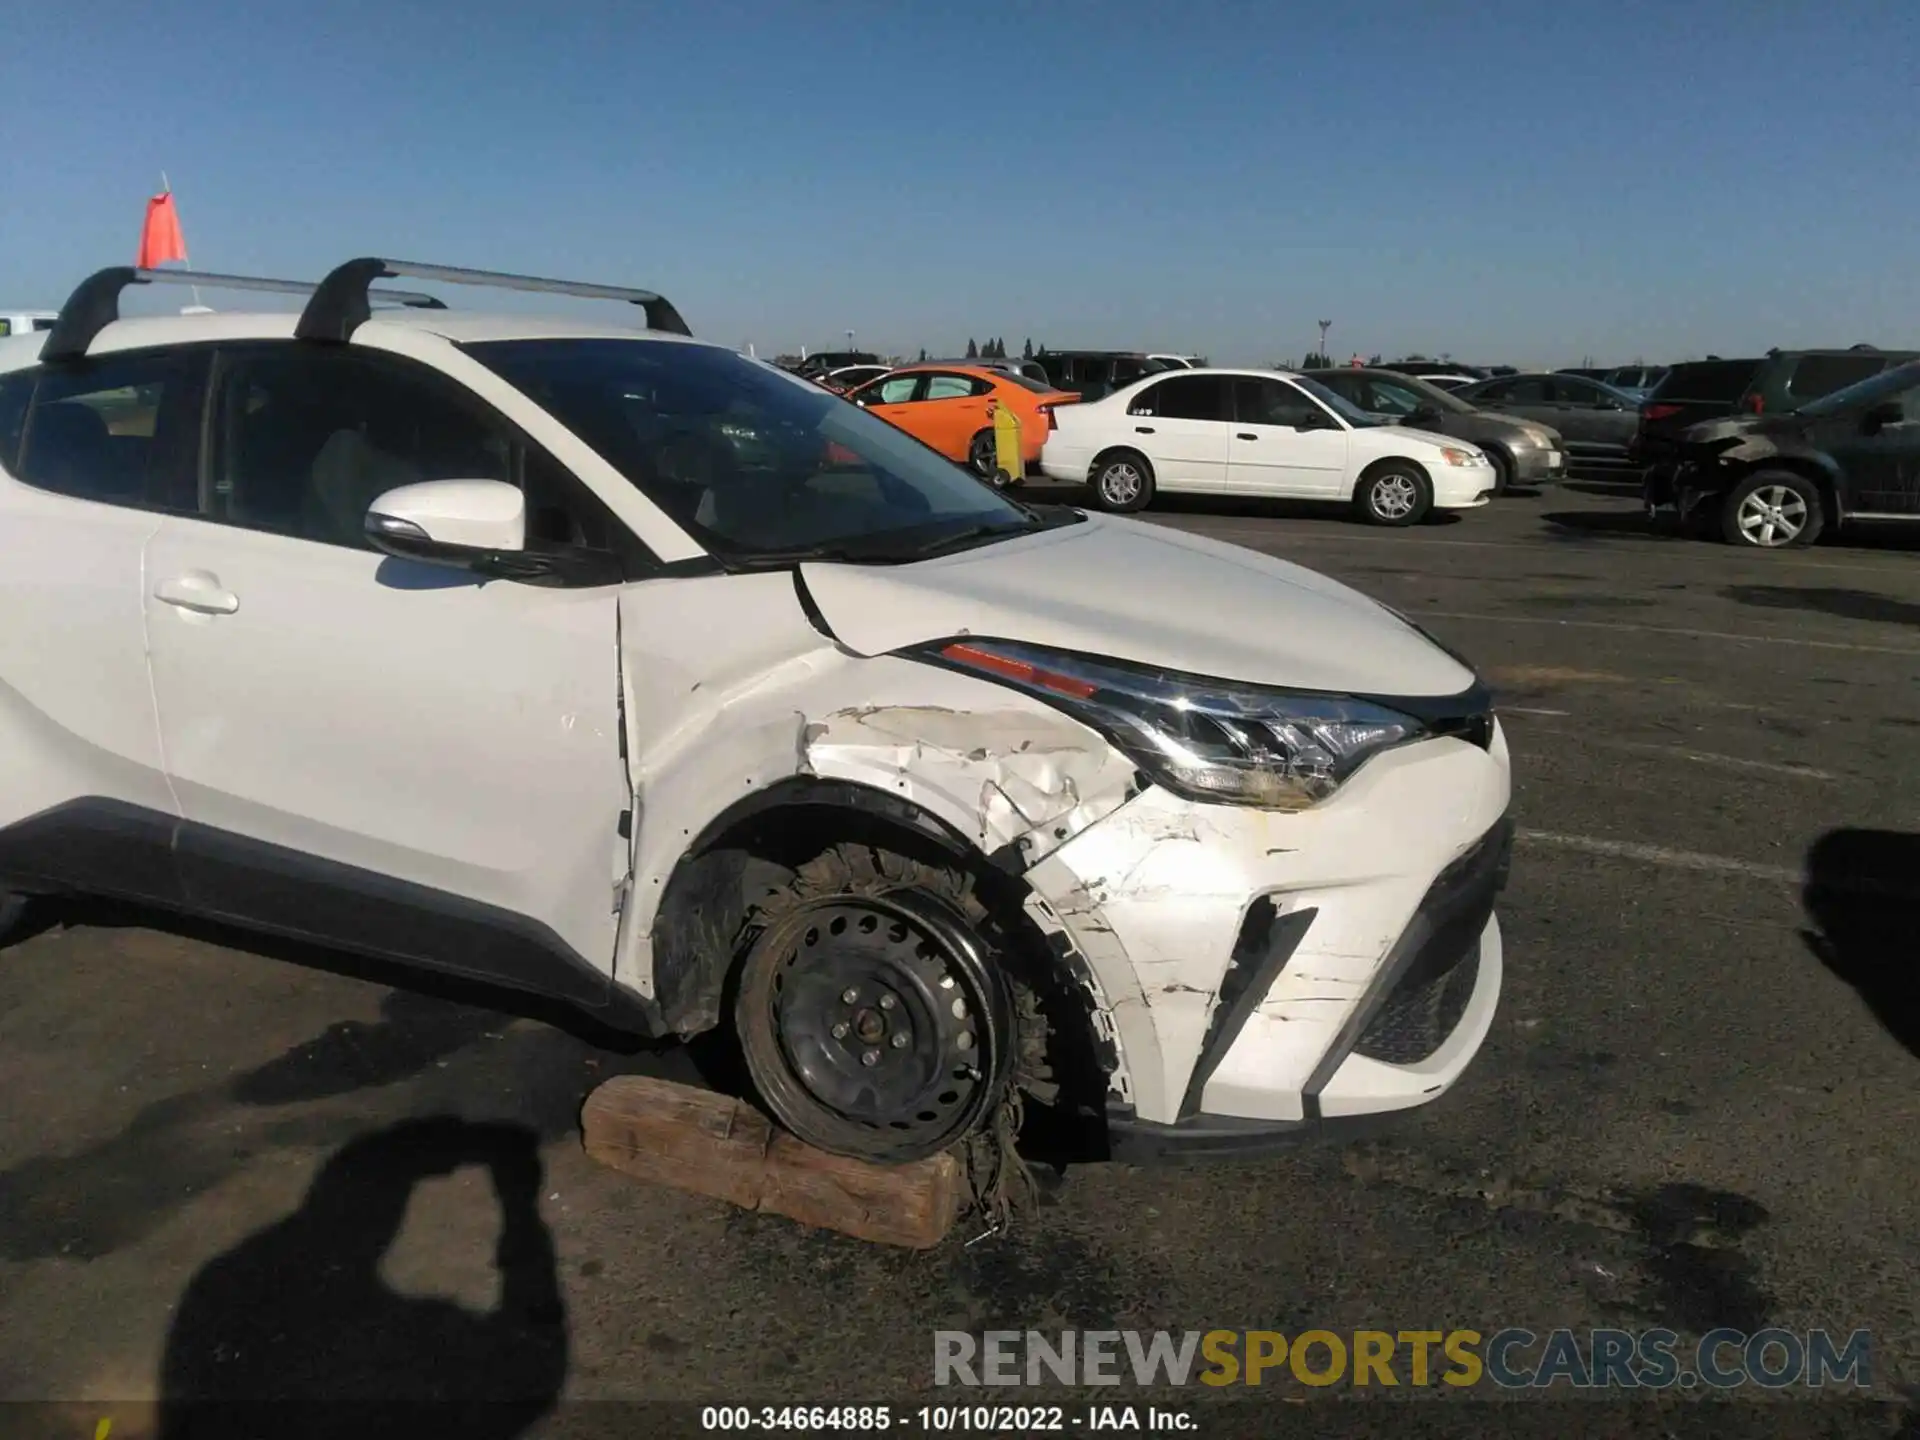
[
  {"x": 1210, "y": 740},
  {"x": 1454, "y": 455}
]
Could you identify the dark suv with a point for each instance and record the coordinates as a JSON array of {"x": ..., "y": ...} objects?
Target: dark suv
[
  {"x": 1788, "y": 379},
  {"x": 1692, "y": 391},
  {"x": 1093, "y": 373},
  {"x": 1773, "y": 481}
]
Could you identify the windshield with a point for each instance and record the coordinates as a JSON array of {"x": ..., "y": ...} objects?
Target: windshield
[
  {"x": 1872, "y": 390},
  {"x": 753, "y": 462},
  {"x": 1424, "y": 391},
  {"x": 1339, "y": 404}
]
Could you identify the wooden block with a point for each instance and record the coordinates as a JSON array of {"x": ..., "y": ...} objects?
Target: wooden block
[{"x": 713, "y": 1145}]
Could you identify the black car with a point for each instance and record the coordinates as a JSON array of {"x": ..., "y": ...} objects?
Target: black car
[
  {"x": 1693, "y": 390},
  {"x": 1093, "y": 373},
  {"x": 1788, "y": 379},
  {"x": 1421, "y": 369},
  {"x": 1595, "y": 420},
  {"x": 822, "y": 362},
  {"x": 1773, "y": 481}
]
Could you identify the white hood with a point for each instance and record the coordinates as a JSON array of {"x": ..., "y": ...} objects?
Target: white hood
[{"x": 1146, "y": 593}]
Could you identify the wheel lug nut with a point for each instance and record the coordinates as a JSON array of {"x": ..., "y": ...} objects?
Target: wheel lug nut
[
  {"x": 840, "y": 1031},
  {"x": 872, "y": 1057},
  {"x": 965, "y": 1042},
  {"x": 959, "y": 1009},
  {"x": 887, "y": 1002},
  {"x": 849, "y": 995},
  {"x": 900, "y": 1042}
]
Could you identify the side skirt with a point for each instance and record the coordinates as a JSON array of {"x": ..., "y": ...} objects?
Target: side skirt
[{"x": 107, "y": 848}]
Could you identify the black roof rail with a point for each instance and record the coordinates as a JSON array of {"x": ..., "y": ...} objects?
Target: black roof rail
[
  {"x": 340, "y": 306},
  {"x": 95, "y": 301}
]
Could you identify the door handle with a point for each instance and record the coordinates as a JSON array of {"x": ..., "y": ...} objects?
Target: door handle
[
  {"x": 1143, "y": 429},
  {"x": 1243, "y": 435},
  {"x": 199, "y": 592}
]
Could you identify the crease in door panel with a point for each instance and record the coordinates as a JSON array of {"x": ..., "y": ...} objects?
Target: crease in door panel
[{"x": 153, "y": 687}]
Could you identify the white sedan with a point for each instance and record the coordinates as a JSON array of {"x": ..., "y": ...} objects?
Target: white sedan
[{"x": 1259, "y": 432}]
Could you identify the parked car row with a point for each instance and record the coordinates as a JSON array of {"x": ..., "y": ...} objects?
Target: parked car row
[{"x": 1767, "y": 451}]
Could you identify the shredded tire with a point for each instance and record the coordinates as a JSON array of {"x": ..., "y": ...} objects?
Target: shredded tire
[{"x": 998, "y": 1179}]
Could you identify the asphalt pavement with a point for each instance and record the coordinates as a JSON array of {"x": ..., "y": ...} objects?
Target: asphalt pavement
[{"x": 237, "y": 1167}]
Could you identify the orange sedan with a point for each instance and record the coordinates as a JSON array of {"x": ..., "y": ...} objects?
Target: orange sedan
[{"x": 950, "y": 407}]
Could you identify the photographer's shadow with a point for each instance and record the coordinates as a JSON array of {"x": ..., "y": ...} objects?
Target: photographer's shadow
[
  {"x": 1863, "y": 901},
  {"x": 293, "y": 1332}
]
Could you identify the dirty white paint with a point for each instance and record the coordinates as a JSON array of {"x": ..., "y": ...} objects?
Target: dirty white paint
[
  {"x": 1155, "y": 896},
  {"x": 720, "y": 701}
]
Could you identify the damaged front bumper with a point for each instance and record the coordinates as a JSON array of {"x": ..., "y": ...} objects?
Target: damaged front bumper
[{"x": 1265, "y": 974}]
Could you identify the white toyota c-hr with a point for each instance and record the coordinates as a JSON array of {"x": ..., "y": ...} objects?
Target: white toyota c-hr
[
  {"x": 1259, "y": 432},
  {"x": 611, "y": 665}
]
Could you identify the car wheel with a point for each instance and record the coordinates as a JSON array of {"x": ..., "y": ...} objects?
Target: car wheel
[
  {"x": 1774, "y": 510},
  {"x": 983, "y": 454},
  {"x": 13, "y": 909},
  {"x": 1123, "y": 482},
  {"x": 1394, "y": 494},
  {"x": 872, "y": 1016},
  {"x": 1502, "y": 469}
]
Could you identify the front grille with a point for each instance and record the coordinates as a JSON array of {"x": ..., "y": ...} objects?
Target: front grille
[
  {"x": 1437, "y": 959},
  {"x": 1416, "y": 1020},
  {"x": 1475, "y": 728}
]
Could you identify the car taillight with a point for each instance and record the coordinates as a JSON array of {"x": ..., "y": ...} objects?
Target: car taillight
[
  {"x": 1052, "y": 423},
  {"x": 1658, "y": 412},
  {"x": 1758, "y": 404}
]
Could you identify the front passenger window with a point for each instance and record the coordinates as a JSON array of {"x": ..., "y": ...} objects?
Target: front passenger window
[{"x": 309, "y": 438}]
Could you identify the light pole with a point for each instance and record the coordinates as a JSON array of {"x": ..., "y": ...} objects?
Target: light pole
[
  {"x": 849, "y": 340},
  {"x": 1325, "y": 325}
]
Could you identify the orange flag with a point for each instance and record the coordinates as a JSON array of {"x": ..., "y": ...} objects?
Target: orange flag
[{"x": 160, "y": 237}]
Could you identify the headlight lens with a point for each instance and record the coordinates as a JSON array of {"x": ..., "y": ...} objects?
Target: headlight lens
[
  {"x": 1454, "y": 455},
  {"x": 1210, "y": 740}
]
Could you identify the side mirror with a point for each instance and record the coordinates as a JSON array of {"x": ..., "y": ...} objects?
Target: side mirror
[
  {"x": 1422, "y": 415},
  {"x": 463, "y": 523},
  {"x": 1889, "y": 412},
  {"x": 1315, "y": 421}
]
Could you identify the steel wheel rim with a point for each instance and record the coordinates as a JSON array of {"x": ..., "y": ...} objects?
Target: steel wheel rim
[
  {"x": 861, "y": 979},
  {"x": 1393, "y": 497},
  {"x": 1120, "y": 483},
  {"x": 1772, "y": 516}
]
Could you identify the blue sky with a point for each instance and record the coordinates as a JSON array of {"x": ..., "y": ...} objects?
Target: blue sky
[{"x": 1503, "y": 182}]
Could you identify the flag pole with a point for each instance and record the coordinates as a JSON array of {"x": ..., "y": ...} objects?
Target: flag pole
[{"x": 166, "y": 188}]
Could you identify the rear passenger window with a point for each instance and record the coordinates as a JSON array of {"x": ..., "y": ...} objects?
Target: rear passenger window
[
  {"x": 1817, "y": 375},
  {"x": 121, "y": 430},
  {"x": 955, "y": 387},
  {"x": 1190, "y": 397}
]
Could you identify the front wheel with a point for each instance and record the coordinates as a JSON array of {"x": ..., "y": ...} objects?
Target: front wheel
[
  {"x": 1502, "y": 471},
  {"x": 13, "y": 909},
  {"x": 873, "y": 1020},
  {"x": 1774, "y": 510},
  {"x": 1395, "y": 495}
]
